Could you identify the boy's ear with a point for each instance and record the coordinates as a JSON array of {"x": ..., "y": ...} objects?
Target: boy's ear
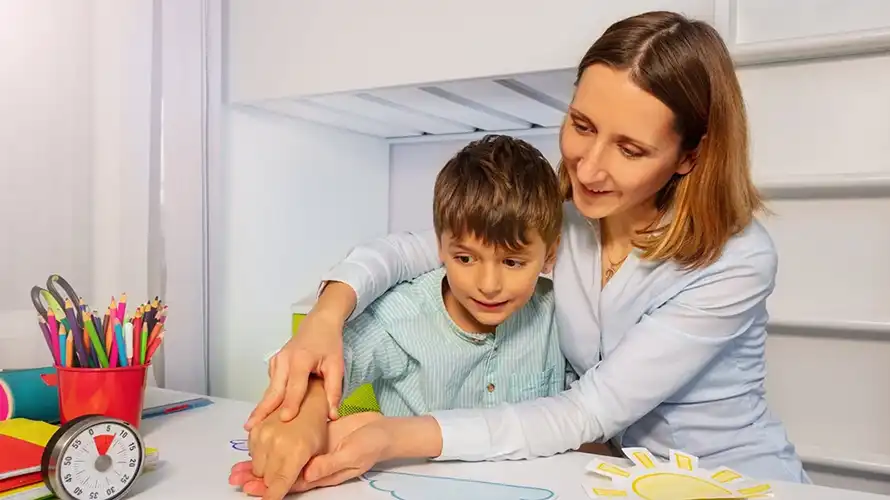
[{"x": 550, "y": 260}]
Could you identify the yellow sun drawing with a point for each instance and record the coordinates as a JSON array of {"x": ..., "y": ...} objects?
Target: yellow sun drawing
[{"x": 679, "y": 478}]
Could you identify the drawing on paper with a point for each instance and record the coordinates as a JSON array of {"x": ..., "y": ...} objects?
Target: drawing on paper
[
  {"x": 239, "y": 444},
  {"x": 679, "y": 478},
  {"x": 407, "y": 486}
]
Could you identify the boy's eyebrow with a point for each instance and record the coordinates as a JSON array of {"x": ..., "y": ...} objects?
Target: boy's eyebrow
[{"x": 459, "y": 246}]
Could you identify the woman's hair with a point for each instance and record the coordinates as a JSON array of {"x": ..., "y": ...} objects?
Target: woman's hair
[{"x": 685, "y": 64}]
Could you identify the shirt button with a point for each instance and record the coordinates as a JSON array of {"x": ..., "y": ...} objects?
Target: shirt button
[{"x": 490, "y": 387}]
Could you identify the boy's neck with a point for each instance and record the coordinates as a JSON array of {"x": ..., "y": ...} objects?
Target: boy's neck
[{"x": 461, "y": 317}]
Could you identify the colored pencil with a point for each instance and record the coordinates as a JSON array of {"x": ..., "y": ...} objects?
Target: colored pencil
[
  {"x": 94, "y": 337},
  {"x": 69, "y": 350},
  {"x": 122, "y": 307},
  {"x": 121, "y": 343},
  {"x": 47, "y": 336},
  {"x": 54, "y": 335},
  {"x": 143, "y": 343},
  {"x": 153, "y": 347},
  {"x": 63, "y": 346}
]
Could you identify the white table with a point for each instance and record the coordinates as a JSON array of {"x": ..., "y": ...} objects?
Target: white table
[{"x": 196, "y": 456}]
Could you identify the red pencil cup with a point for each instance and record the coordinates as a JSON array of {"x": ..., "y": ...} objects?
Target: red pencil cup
[{"x": 112, "y": 392}]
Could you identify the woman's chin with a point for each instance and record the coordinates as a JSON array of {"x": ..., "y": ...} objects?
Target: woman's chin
[{"x": 592, "y": 209}]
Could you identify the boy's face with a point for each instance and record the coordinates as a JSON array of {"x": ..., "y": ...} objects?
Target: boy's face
[{"x": 491, "y": 283}]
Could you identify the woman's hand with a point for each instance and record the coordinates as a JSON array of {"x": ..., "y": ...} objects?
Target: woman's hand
[
  {"x": 352, "y": 455},
  {"x": 378, "y": 441},
  {"x": 317, "y": 349}
]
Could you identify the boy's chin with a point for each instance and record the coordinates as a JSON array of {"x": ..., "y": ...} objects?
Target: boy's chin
[{"x": 493, "y": 318}]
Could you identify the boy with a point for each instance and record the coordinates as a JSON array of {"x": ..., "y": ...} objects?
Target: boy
[{"x": 481, "y": 330}]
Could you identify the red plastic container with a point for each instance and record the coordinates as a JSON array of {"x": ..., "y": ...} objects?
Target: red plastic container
[{"x": 113, "y": 392}]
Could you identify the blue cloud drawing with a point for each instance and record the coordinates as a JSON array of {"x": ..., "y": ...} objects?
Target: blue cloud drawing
[{"x": 405, "y": 486}]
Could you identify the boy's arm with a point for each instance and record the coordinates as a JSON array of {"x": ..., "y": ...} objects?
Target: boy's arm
[{"x": 369, "y": 353}]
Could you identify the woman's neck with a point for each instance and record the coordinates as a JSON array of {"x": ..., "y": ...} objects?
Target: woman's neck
[{"x": 619, "y": 230}]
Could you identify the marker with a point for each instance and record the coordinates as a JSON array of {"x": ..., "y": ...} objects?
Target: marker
[{"x": 190, "y": 404}]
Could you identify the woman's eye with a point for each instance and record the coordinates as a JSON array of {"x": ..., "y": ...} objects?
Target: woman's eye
[
  {"x": 581, "y": 128},
  {"x": 629, "y": 153}
]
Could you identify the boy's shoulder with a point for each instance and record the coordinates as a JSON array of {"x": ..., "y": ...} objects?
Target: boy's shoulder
[
  {"x": 541, "y": 305},
  {"x": 543, "y": 296},
  {"x": 410, "y": 298}
]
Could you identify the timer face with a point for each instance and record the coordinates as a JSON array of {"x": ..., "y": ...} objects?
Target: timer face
[{"x": 100, "y": 462}]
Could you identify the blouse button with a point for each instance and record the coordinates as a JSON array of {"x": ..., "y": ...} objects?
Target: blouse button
[{"x": 490, "y": 387}]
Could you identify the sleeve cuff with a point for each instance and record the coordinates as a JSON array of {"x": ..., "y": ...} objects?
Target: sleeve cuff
[
  {"x": 465, "y": 435},
  {"x": 355, "y": 275}
]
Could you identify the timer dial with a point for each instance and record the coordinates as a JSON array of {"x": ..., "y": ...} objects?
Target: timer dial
[{"x": 93, "y": 458}]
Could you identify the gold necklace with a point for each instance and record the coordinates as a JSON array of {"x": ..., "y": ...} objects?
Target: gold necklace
[{"x": 613, "y": 268}]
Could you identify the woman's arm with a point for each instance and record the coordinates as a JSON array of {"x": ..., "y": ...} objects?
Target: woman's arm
[
  {"x": 658, "y": 356},
  {"x": 374, "y": 267}
]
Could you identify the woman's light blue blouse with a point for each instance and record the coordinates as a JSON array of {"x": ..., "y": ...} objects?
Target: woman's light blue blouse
[{"x": 671, "y": 358}]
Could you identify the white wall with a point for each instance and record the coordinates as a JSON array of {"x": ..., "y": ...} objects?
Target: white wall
[
  {"x": 74, "y": 101},
  {"x": 292, "y": 198},
  {"x": 831, "y": 386},
  {"x": 44, "y": 134}
]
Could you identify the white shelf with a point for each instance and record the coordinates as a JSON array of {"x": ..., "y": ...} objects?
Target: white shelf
[
  {"x": 537, "y": 101},
  {"x": 866, "y": 463},
  {"x": 827, "y": 186},
  {"x": 850, "y": 326}
]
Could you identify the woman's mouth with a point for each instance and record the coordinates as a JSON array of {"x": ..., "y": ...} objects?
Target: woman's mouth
[{"x": 597, "y": 192}]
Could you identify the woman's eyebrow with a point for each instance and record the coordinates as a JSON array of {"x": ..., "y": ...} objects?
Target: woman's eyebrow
[{"x": 624, "y": 138}]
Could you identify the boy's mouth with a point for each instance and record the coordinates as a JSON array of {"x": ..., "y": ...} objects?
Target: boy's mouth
[{"x": 489, "y": 306}]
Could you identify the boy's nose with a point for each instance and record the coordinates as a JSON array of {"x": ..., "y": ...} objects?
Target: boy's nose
[{"x": 490, "y": 283}]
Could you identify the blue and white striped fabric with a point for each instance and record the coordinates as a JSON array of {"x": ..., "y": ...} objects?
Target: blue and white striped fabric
[{"x": 418, "y": 360}]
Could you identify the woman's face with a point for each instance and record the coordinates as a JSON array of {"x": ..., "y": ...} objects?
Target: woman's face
[{"x": 618, "y": 146}]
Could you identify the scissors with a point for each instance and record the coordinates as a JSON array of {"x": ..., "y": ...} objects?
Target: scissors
[
  {"x": 56, "y": 301},
  {"x": 73, "y": 317}
]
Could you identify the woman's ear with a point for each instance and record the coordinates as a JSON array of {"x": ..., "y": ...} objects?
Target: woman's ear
[{"x": 690, "y": 159}]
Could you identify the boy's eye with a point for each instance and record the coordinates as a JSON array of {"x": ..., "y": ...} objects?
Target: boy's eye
[
  {"x": 513, "y": 263},
  {"x": 463, "y": 259}
]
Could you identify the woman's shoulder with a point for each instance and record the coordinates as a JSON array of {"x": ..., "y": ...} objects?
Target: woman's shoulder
[
  {"x": 753, "y": 245},
  {"x": 749, "y": 260}
]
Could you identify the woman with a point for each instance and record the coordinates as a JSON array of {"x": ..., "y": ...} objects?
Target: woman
[{"x": 661, "y": 280}]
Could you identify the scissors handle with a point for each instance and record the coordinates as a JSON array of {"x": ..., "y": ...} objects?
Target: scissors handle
[
  {"x": 69, "y": 291},
  {"x": 36, "y": 291}
]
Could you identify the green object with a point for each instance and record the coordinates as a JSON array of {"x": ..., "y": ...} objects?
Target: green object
[
  {"x": 97, "y": 344},
  {"x": 362, "y": 398},
  {"x": 24, "y": 394}
]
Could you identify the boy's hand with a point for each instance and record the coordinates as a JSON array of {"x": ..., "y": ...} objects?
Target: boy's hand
[
  {"x": 279, "y": 451},
  {"x": 338, "y": 431}
]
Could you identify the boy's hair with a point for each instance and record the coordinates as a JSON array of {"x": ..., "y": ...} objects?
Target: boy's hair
[{"x": 498, "y": 189}]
